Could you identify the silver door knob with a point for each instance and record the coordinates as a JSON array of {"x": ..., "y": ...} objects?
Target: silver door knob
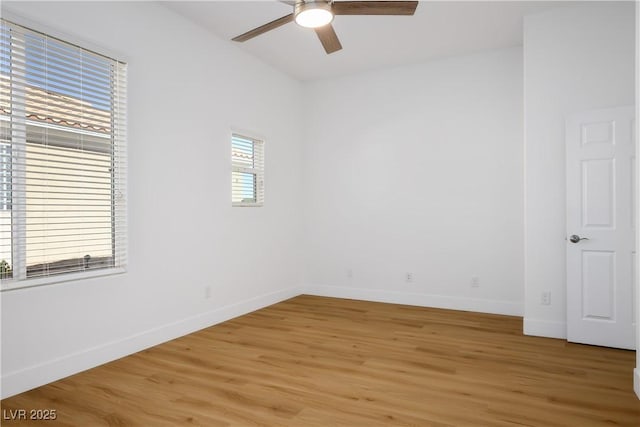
[{"x": 574, "y": 238}]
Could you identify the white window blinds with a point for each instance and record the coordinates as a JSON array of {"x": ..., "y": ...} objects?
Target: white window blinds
[
  {"x": 62, "y": 158},
  {"x": 247, "y": 175}
]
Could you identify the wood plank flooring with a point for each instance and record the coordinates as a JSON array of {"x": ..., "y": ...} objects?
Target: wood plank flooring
[{"x": 313, "y": 361}]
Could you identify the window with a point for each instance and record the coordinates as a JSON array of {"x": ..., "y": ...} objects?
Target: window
[
  {"x": 62, "y": 159},
  {"x": 247, "y": 175}
]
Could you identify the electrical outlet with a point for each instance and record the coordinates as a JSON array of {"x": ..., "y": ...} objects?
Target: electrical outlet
[
  {"x": 409, "y": 278},
  {"x": 475, "y": 282},
  {"x": 207, "y": 292},
  {"x": 545, "y": 298}
]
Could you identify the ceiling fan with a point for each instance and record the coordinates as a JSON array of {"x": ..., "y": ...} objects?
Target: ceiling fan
[{"x": 318, "y": 14}]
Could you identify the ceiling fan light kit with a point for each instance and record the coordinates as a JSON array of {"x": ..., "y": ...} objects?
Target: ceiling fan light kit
[
  {"x": 313, "y": 14},
  {"x": 318, "y": 15}
]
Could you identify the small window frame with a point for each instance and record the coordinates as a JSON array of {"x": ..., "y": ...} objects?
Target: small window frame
[{"x": 256, "y": 169}]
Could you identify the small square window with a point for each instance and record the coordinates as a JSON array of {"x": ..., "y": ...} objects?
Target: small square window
[{"x": 247, "y": 171}]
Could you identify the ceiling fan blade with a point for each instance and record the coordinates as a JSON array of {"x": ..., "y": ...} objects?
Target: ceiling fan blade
[
  {"x": 374, "y": 7},
  {"x": 328, "y": 38},
  {"x": 264, "y": 28}
]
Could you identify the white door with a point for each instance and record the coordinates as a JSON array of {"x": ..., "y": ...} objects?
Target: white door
[{"x": 601, "y": 211}]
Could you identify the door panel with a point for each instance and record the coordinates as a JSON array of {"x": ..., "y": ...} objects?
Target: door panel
[
  {"x": 598, "y": 285},
  {"x": 598, "y": 133},
  {"x": 598, "y": 208}
]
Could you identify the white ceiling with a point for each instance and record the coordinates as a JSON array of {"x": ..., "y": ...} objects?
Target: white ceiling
[{"x": 437, "y": 29}]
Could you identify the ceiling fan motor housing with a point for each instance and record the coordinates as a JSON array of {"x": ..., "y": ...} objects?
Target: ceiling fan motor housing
[{"x": 313, "y": 14}]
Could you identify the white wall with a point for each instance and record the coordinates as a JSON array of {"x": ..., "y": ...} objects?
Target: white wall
[
  {"x": 575, "y": 59},
  {"x": 186, "y": 88},
  {"x": 418, "y": 169}
]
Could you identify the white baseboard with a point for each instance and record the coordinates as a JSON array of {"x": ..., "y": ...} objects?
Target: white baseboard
[
  {"x": 545, "y": 328},
  {"x": 636, "y": 381},
  {"x": 35, "y": 376},
  {"x": 423, "y": 300}
]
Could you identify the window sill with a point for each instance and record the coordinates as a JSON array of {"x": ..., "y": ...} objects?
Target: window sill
[
  {"x": 247, "y": 205},
  {"x": 10, "y": 284}
]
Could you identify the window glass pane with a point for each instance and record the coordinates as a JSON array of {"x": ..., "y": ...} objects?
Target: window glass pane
[
  {"x": 67, "y": 70},
  {"x": 69, "y": 214},
  {"x": 242, "y": 152},
  {"x": 243, "y": 188}
]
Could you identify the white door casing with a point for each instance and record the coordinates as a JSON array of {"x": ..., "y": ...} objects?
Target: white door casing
[{"x": 601, "y": 207}]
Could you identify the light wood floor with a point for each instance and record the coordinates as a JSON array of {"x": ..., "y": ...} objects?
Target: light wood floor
[{"x": 313, "y": 361}]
